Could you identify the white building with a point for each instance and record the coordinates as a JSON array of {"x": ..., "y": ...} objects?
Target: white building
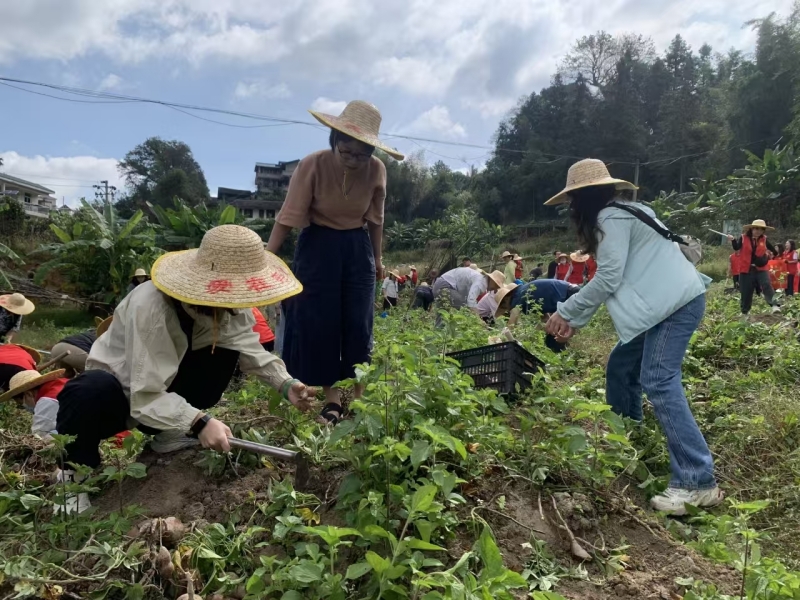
[{"x": 36, "y": 199}]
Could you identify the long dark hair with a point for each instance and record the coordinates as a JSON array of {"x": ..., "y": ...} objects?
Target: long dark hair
[
  {"x": 792, "y": 245},
  {"x": 585, "y": 204}
]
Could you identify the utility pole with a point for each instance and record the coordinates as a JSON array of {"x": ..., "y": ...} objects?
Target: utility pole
[
  {"x": 636, "y": 181},
  {"x": 105, "y": 192}
]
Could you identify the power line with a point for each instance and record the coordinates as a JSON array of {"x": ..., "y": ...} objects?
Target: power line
[{"x": 102, "y": 97}]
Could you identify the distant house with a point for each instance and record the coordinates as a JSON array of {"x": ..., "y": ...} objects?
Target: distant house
[
  {"x": 250, "y": 205},
  {"x": 35, "y": 198},
  {"x": 271, "y": 177}
]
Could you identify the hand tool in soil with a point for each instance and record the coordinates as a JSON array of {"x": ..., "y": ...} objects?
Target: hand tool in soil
[
  {"x": 301, "y": 474},
  {"x": 719, "y": 232},
  {"x": 52, "y": 361}
]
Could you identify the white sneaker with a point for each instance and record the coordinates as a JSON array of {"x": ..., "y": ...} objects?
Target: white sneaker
[
  {"x": 172, "y": 440},
  {"x": 674, "y": 500},
  {"x": 74, "y": 504}
]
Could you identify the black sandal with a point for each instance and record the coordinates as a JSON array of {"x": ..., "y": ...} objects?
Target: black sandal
[{"x": 332, "y": 413}]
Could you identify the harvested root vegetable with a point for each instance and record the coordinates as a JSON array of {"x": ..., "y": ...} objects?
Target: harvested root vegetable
[
  {"x": 164, "y": 563},
  {"x": 172, "y": 531}
]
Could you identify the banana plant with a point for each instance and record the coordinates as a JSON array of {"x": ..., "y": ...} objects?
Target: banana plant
[
  {"x": 97, "y": 252},
  {"x": 184, "y": 226}
]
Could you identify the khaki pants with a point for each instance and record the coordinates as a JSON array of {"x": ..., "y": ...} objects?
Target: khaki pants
[{"x": 75, "y": 360}]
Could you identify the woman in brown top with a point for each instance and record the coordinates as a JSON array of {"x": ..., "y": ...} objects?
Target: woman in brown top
[{"x": 333, "y": 194}]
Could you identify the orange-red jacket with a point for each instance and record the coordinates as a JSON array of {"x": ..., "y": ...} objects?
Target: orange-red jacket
[
  {"x": 518, "y": 269},
  {"x": 749, "y": 254},
  {"x": 591, "y": 268},
  {"x": 262, "y": 328},
  {"x": 51, "y": 389},
  {"x": 736, "y": 267},
  {"x": 414, "y": 277},
  {"x": 562, "y": 270}
]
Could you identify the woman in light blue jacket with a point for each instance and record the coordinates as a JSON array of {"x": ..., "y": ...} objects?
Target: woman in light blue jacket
[{"x": 656, "y": 299}]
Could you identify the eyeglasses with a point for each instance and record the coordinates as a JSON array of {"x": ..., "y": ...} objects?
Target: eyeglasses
[{"x": 362, "y": 156}]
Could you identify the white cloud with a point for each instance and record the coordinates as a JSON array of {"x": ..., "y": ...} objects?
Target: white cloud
[
  {"x": 328, "y": 106},
  {"x": 482, "y": 55},
  {"x": 70, "y": 177},
  {"x": 258, "y": 88},
  {"x": 437, "y": 120},
  {"x": 110, "y": 82}
]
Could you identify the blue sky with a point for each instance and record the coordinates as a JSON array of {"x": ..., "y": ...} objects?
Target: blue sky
[{"x": 447, "y": 70}]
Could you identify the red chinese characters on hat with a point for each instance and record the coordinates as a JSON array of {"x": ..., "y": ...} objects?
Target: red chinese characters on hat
[
  {"x": 258, "y": 284},
  {"x": 217, "y": 286}
]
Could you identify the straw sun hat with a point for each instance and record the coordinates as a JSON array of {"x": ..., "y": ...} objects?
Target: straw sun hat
[
  {"x": 578, "y": 257},
  {"x": 230, "y": 269},
  {"x": 506, "y": 254},
  {"x": 587, "y": 173},
  {"x": 757, "y": 224},
  {"x": 498, "y": 277},
  {"x": 360, "y": 120},
  {"x": 140, "y": 273},
  {"x": 502, "y": 293},
  {"x": 17, "y": 304},
  {"x": 35, "y": 355},
  {"x": 103, "y": 326},
  {"x": 28, "y": 380}
]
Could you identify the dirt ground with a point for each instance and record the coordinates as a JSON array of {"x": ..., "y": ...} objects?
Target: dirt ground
[{"x": 176, "y": 486}]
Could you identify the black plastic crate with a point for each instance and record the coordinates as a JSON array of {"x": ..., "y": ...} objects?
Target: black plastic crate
[{"x": 499, "y": 366}]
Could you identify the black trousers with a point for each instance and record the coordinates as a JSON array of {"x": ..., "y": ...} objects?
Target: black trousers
[
  {"x": 93, "y": 407},
  {"x": 389, "y": 303},
  {"x": 748, "y": 282},
  {"x": 790, "y": 284},
  {"x": 735, "y": 282}
]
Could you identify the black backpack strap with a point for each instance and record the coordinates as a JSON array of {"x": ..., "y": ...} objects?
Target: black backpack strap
[
  {"x": 650, "y": 222},
  {"x": 186, "y": 321}
]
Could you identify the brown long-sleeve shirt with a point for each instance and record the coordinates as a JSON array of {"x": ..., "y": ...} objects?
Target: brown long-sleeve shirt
[{"x": 324, "y": 193}]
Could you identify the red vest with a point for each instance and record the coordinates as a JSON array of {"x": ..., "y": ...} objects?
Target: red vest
[
  {"x": 591, "y": 268},
  {"x": 51, "y": 389},
  {"x": 561, "y": 271},
  {"x": 518, "y": 269},
  {"x": 748, "y": 255},
  {"x": 576, "y": 276},
  {"x": 11, "y": 354},
  {"x": 262, "y": 328}
]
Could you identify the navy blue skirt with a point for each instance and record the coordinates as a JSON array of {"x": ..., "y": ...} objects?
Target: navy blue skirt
[{"x": 329, "y": 325}]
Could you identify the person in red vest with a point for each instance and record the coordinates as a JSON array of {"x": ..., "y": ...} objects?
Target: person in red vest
[
  {"x": 591, "y": 268},
  {"x": 265, "y": 335},
  {"x": 577, "y": 272},
  {"x": 562, "y": 267},
  {"x": 735, "y": 268},
  {"x": 756, "y": 251},
  {"x": 414, "y": 276},
  {"x": 518, "y": 271},
  {"x": 790, "y": 256},
  {"x": 15, "y": 359},
  {"x": 38, "y": 394}
]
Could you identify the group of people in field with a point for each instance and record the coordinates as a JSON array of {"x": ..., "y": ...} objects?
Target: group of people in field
[
  {"x": 176, "y": 340},
  {"x": 757, "y": 265}
]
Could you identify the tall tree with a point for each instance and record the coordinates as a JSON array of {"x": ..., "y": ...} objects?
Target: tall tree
[{"x": 157, "y": 170}]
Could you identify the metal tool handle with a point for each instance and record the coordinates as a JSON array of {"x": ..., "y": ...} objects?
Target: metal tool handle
[{"x": 263, "y": 449}]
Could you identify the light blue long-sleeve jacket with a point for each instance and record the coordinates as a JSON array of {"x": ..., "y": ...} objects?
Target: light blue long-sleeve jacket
[{"x": 642, "y": 277}]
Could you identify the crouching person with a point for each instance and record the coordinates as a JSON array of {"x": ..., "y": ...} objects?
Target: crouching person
[
  {"x": 38, "y": 394},
  {"x": 172, "y": 349}
]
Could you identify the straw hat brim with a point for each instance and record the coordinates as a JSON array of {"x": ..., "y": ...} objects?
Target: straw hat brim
[
  {"x": 35, "y": 354},
  {"x": 340, "y": 124},
  {"x": 578, "y": 257},
  {"x": 178, "y": 276},
  {"x": 103, "y": 326},
  {"x": 33, "y": 383},
  {"x": 562, "y": 196},
  {"x": 506, "y": 255},
  {"x": 502, "y": 293},
  {"x": 27, "y": 307},
  {"x": 395, "y": 273},
  {"x": 498, "y": 277},
  {"x": 765, "y": 227}
]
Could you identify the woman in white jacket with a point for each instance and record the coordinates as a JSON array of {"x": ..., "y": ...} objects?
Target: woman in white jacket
[{"x": 656, "y": 299}]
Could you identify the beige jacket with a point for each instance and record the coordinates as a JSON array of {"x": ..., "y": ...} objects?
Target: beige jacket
[{"x": 145, "y": 344}]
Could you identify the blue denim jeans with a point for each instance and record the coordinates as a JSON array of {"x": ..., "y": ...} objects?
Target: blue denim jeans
[{"x": 652, "y": 363}]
